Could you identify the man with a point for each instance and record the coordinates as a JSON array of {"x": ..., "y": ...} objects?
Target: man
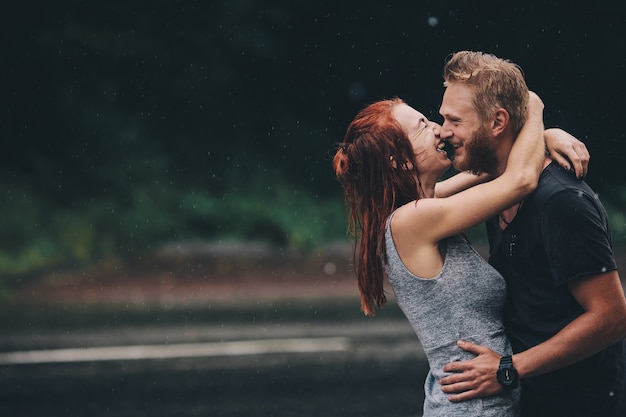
[{"x": 566, "y": 312}]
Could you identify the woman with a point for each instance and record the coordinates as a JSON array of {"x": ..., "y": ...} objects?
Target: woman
[{"x": 388, "y": 164}]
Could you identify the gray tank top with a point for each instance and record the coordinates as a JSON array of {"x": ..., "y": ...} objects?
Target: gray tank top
[{"x": 463, "y": 302}]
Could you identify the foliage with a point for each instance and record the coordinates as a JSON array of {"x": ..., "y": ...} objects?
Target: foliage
[
  {"x": 617, "y": 217},
  {"x": 127, "y": 124},
  {"x": 40, "y": 236}
]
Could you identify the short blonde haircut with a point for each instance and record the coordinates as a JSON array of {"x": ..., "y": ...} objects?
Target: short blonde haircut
[{"x": 496, "y": 83}]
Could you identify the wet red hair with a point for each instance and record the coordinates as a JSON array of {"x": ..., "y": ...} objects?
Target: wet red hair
[{"x": 376, "y": 166}]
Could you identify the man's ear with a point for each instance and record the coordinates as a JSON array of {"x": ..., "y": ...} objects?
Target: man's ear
[{"x": 500, "y": 121}]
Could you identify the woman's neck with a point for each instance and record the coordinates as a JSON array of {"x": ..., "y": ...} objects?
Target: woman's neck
[{"x": 426, "y": 187}]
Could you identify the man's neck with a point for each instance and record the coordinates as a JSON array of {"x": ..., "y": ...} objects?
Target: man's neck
[
  {"x": 502, "y": 164},
  {"x": 502, "y": 154}
]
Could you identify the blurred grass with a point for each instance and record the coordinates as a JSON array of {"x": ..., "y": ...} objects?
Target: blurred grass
[{"x": 40, "y": 235}]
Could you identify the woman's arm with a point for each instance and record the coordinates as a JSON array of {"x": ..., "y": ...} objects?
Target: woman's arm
[
  {"x": 459, "y": 182},
  {"x": 433, "y": 219},
  {"x": 565, "y": 149}
]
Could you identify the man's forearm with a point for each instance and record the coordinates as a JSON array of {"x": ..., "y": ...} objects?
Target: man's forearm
[
  {"x": 602, "y": 324},
  {"x": 582, "y": 338}
]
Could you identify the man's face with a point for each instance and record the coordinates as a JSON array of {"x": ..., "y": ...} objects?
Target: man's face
[
  {"x": 480, "y": 152},
  {"x": 474, "y": 148}
]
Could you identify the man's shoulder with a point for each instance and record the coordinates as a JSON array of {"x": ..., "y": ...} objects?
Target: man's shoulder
[{"x": 556, "y": 181}]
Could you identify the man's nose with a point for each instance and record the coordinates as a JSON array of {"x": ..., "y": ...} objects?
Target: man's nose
[{"x": 444, "y": 131}]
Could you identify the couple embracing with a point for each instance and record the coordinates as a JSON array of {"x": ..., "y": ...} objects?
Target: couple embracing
[{"x": 539, "y": 329}]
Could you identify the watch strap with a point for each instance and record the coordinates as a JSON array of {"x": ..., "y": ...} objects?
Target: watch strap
[{"x": 506, "y": 361}]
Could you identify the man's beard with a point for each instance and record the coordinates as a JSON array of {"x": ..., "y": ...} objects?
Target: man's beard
[{"x": 480, "y": 154}]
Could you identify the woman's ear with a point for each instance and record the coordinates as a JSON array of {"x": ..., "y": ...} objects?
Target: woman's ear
[{"x": 407, "y": 166}]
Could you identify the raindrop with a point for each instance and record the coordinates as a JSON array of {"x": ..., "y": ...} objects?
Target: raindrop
[
  {"x": 356, "y": 91},
  {"x": 433, "y": 21},
  {"x": 330, "y": 268}
]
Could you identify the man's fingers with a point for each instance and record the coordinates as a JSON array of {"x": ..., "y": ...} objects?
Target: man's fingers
[
  {"x": 472, "y": 347},
  {"x": 454, "y": 379},
  {"x": 456, "y": 366},
  {"x": 461, "y": 366},
  {"x": 466, "y": 390},
  {"x": 458, "y": 387}
]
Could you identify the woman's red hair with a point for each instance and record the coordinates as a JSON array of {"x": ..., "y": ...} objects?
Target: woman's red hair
[{"x": 376, "y": 166}]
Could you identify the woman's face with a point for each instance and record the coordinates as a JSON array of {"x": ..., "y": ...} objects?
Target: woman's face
[{"x": 427, "y": 146}]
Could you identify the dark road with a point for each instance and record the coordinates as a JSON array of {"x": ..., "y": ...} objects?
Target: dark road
[
  {"x": 311, "y": 353},
  {"x": 287, "y": 360}
]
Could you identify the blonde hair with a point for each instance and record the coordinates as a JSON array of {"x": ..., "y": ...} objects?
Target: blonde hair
[{"x": 496, "y": 83}]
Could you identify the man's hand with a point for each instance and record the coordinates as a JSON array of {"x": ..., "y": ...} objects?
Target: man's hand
[{"x": 474, "y": 378}]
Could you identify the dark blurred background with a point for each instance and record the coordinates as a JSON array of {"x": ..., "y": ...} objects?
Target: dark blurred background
[
  {"x": 166, "y": 181},
  {"x": 129, "y": 125}
]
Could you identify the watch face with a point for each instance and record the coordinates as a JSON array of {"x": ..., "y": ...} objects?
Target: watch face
[{"x": 507, "y": 377}]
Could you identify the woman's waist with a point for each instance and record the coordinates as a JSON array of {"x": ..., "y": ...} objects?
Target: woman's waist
[{"x": 448, "y": 351}]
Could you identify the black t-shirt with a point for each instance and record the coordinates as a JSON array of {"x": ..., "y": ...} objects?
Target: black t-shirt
[{"x": 560, "y": 233}]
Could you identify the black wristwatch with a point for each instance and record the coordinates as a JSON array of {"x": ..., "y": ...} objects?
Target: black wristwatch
[{"x": 507, "y": 375}]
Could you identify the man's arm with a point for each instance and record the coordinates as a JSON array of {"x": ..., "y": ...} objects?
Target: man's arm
[{"x": 602, "y": 324}]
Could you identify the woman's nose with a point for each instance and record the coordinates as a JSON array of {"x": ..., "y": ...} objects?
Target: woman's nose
[{"x": 436, "y": 127}]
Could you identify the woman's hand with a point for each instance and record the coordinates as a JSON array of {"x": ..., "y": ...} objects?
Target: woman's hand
[{"x": 567, "y": 151}]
